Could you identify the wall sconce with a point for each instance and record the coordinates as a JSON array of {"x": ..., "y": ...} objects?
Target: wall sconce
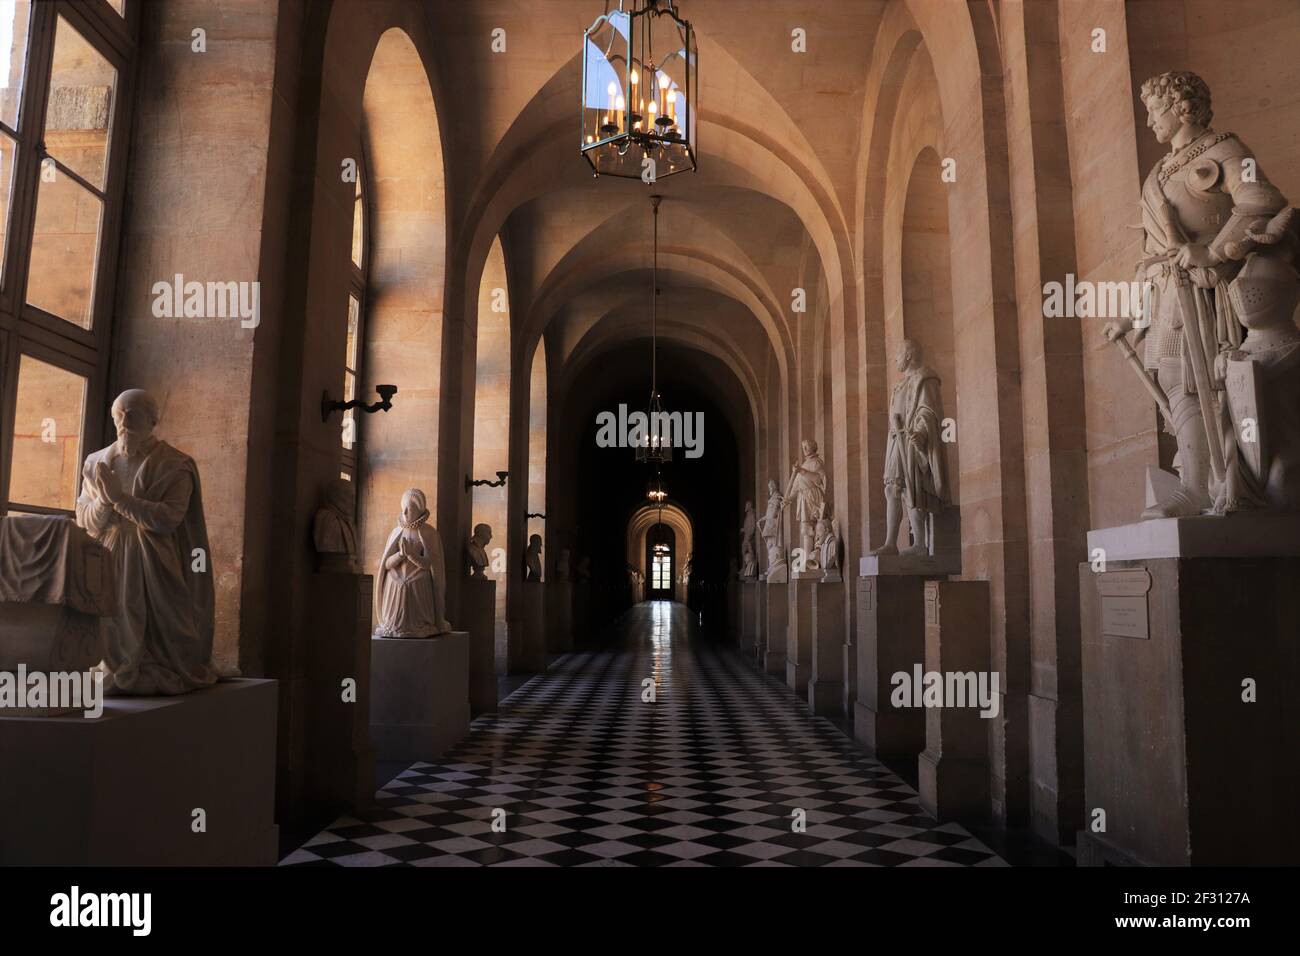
[
  {"x": 485, "y": 483},
  {"x": 386, "y": 393}
]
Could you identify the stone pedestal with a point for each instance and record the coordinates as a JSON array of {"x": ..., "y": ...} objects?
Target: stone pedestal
[
  {"x": 122, "y": 789},
  {"x": 339, "y": 758},
  {"x": 559, "y": 617},
  {"x": 953, "y": 770},
  {"x": 826, "y": 653},
  {"x": 1185, "y": 768},
  {"x": 583, "y": 621},
  {"x": 890, "y": 640},
  {"x": 775, "y": 620},
  {"x": 419, "y": 702},
  {"x": 749, "y": 629},
  {"x": 849, "y": 689},
  {"x": 528, "y": 633},
  {"x": 478, "y": 608},
  {"x": 798, "y": 645}
]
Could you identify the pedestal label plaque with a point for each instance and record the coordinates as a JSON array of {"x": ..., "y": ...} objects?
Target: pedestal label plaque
[{"x": 1124, "y": 603}]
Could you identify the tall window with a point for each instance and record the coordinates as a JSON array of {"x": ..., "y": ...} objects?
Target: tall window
[
  {"x": 64, "y": 88},
  {"x": 661, "y": 572},
  {"x": 356, "y": 318}
]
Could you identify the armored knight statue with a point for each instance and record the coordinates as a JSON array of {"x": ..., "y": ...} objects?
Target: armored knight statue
[
  {"x": 769, "y": 526},
  {"x": 1208, "y": 210},
  {"x": 748, "y": 554},
  {"x": 806, "y": 490},
  {"x": 916, "y": 461}
]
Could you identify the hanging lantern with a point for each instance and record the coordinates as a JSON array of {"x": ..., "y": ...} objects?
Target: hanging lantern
[
  {"x": 657, "y": 492},
  {"x": 640, "y": 91}
]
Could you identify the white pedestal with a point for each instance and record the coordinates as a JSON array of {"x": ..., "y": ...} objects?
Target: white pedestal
[
  {"x": 798, "y": 647},
  {"x": 419, "y": 700},
  {"x": 121, "y": 789}
]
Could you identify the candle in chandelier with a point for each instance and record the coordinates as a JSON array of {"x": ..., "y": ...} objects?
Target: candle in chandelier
[
  {"x": 612, "y": 90},
  {"x": 663, "y": 92},
  {"x": 619, "y": 106},
  {"x": 672, "y": 105},
  {"x": 651, "y": 112}
]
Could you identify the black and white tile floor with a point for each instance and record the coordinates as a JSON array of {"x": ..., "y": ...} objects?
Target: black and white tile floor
[{"x": 712, "y": 773}]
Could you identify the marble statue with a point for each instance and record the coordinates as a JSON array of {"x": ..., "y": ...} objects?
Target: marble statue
[
  {"x": 769, "y": 526},
  {"x": 1208, "y": 212},
  {"x": 828, "y": 547},
  {"x": 410, "y": 588},
  {"x": 748, "y": 553},
  {"x": 916, "y": 460},
  {"x": 806, "y": 490},
  {"x": 140, "y": 499},
  {"x": 563, "y": 565},
  {"x": 334, "y": 530},
  {"x": 476, "y": 550},
  {"x": 584, "y": 568},
  {"x": 533, "y": 559}
]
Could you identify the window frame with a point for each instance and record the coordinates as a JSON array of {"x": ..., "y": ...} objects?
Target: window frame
[
  {"x": 359, "y": 277},
  {"x": 24, "y": 328}
]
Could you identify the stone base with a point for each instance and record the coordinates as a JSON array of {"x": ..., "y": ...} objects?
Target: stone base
[
  {"x": 528, "y": 632},
  {"x": 339, "y": 759},
  {"x": 826, "y": 648},
  {"x": 849, "y": 686},
  {"x": 479, "y": 611},
  {"x": 891, "y": 638},
  {"x": 953, "y": 770},
  {"x": 924, "y": 565},
  {"x": 1244, "y": 534},
  {"x": 749, "y": 629},
  {"x": 419, "y": 702},
  {"x": 121, "y": 789},
  {"x": 775, "y": 622},
  {"x": 559, "y": 617},
  {"x": 798, "y": 644},
  {"x": 1187, "y": 770}
]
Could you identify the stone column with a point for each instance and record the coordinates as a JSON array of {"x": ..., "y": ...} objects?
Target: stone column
[
  {"x": 775, "y": 623},
  {"x": 798, "y": 650},
  {"x": 953, "y": 770},
  {"x": 1191, "y": 721},
  {"x": 826, "y": 673},
  {"x": 478, "y": 609}
]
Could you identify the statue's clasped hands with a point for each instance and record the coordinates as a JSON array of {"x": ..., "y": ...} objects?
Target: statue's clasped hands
[{"x": 107, "y": 486}]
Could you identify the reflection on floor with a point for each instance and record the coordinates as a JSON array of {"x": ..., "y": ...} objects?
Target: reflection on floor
[{"x": 724, "y": 767}]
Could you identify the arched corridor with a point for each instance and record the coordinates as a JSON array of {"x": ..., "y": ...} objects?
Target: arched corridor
[
  {"x": 714, "y": 771},
  {"x": 798, "y": 432}
]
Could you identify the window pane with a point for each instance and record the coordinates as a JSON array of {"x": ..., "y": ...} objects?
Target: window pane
[
  {"x": 65, "y": 246},
  {"x": 8, "y": 156},
  {"x": 15, "y": 17},
  {"x": 47, "y": 435},
  {"x": 358, "y": 225},
  {"x": 349, "y": 417},
  {"x": 119, "y": 6},
  {"x": 81, "y": 101},
  {"x": 354, "y": 320}
]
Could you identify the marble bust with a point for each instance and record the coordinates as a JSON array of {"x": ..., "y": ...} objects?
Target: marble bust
[
  {"x": 476, "y": 551},
  {"x": 828, "y": 547},
  {"x": 748, "y": 552},
  {"x": 1210, "y": 217},
  {"x": 410, "y": 588},
  {"x": 140, "y": 499},
  {"x": 806, "y": 490},
  {"x": 769, "y": 526},
  {"x": 533, "y": 559},
  {"x": 916, "y": 461},
  {"x": 334, "y": 529}
]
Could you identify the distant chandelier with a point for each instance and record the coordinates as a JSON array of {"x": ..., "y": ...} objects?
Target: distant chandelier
[
  {"x": 656, "y": 491},
  {"x": 639, "y": 91},
  {"x": 656, "y": 445}
]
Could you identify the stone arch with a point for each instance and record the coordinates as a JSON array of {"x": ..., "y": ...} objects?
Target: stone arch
[
  {"x": 646, "y": 517},
  {"x": 404, "y": 326}
]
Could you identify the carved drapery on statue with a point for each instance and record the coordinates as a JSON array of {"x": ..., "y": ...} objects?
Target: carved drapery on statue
[{"x": 410, "y": 585}]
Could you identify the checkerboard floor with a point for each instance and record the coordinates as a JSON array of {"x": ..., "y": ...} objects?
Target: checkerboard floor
[{"x": 717, "y": 771}]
